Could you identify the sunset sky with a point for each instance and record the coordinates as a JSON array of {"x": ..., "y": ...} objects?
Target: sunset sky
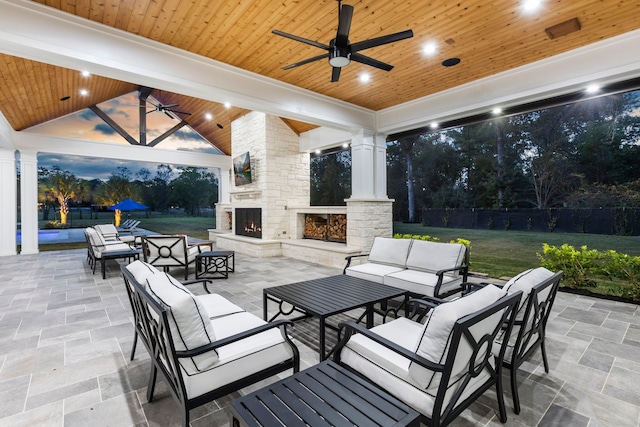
[{"x": 86, "y": 125}]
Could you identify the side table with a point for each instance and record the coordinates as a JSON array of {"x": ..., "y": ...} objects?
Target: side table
[
  {"x": 324, "y": 394},
  {"x": 215, "y": 264}
]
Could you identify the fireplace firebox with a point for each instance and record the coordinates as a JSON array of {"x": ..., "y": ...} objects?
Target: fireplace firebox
[{"x": 249, "y": 222}]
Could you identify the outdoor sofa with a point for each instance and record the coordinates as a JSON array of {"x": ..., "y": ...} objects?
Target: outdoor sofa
[{"x": 421, "y": 267}]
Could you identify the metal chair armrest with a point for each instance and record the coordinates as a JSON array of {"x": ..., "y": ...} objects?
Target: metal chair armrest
[
  {"x": 233, "y": 338},
  {"x": 349, "y": 258}
]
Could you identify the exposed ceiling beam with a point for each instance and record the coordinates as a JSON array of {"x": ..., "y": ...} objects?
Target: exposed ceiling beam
[
  {"x": 113, "y": 125},
  {"x": 168, "y": 133}
]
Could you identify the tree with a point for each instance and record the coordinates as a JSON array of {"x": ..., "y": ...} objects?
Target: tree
[
  {"x": 61, "y": 186},
  {"x": 117, "y": 188},
  {"x": 193, "y": 189},
  {"x": 330, "y": 179}
]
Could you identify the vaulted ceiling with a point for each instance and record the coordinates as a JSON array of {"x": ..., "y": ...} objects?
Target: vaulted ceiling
[{"x": 487, "y": 36}]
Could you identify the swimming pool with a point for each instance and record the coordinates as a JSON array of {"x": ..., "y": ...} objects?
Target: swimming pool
[{"x": 43, "y": 235}]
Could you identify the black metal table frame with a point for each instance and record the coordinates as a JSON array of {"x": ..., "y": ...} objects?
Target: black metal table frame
[
  {"x": 324, "y": 394},
  {"x": 132, "y": 253},
  {"x": 205, "y": 261},
  {"x": 337, "y": 292}
]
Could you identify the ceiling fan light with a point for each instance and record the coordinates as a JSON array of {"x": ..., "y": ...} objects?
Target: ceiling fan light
[
  {"x": 339, "y": 58},
  {"x": 339, "y": 61}
]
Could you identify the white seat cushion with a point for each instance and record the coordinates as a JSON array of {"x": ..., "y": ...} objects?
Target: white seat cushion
[
  {"x": 372, "y": 271},
  {"x": 141, "y": 271},
  {"x": 188, "y": 319},
  {"x": 241, "y": 358},
  {"x": 389, "y": 251},
  {"x": 437, "y": 331},
  {"x": 217, "y": 305},
  {"x": 421, "y": 282},
  {"x": 435, "y": 256}
]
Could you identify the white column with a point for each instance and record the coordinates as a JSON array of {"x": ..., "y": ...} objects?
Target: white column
[
  {"x": 8, "y": 202},
  {"x": 29, "y": 201},
  {"x": 223, "y": 186},
  {"x": 362, "y": 166},
  {"x": 368, "y": 166},
  {"x": 380, "y": 166}
]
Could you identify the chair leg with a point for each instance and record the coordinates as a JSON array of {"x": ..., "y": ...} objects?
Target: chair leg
[
  {"x": 152, "y": 382},
  {"x": 185, "y": 417},
  {"x": 500, "y": 396},
  {"x": 135, "y": 342},
  {"x": 514, "y": 390},
  {"x": 543, "y": 349}
]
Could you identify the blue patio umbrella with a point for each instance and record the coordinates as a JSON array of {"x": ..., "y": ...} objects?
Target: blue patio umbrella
[{"x": 128, "y": 205}]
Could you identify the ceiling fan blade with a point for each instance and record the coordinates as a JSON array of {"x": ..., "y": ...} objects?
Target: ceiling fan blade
[
  {"x": 358, "y": 57},
  {"x": 178, "y": 112},
  {"x": 301, "y": 39},
  {"x": 335, "y": 74},
  {"x": 169, "y": 106},
  {"x": 344, "y": 25},
  {"x": 168, "y": 115},
  {"x": 306, "y": 61},
  {"x": 378, "y": 41}
]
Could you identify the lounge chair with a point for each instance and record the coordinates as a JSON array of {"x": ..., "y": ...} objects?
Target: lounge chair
[
  {"x": 440, "y": 367},
  {"x": 169, "y": 251},
  {"x": 100, "y": 249},
  {"x": 110, "y": 233},
  {"x": 203, "y": 355}
]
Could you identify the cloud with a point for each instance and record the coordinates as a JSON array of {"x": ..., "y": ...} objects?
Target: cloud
[{"x": 104, "y": 129}]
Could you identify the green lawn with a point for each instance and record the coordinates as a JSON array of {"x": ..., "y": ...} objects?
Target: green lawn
[{"x": 507, "y": 253}]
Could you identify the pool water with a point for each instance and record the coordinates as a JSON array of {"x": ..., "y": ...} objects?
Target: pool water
[{"x": 43, "y": 235}]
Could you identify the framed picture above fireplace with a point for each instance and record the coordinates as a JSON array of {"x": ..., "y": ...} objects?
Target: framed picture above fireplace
[{"x": 242, "y": 169}]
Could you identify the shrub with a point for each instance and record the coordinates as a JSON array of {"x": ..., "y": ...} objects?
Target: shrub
[
  {"x": 583, "y": 267},
  {"x": 579, "y": 266}
]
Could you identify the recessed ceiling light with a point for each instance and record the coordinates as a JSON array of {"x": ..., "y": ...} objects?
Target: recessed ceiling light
[
  {"x": 593, "y": 88},
  {"x": 345, "y": 145},
  {"x": 531, "y": 5},
  {"x": 85, "y": 73},
  {"x": 434, "y": 125},
  {"x": 208, "y": 116},
  {"x": 496, "y": 111},
  {"x": 84, "y": 92},
  {"x": 364, "y": 77},
  {"x": 227, "y": 105},
  {"x": 430, "y": 48},
  {"x": 451, "y": 62},
  {"x": 317, "y": 151}
]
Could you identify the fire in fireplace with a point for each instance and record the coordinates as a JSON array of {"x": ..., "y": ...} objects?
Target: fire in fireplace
[{"x": 249, "y": 222}]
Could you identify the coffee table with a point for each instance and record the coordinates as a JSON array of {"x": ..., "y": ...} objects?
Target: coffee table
[
  {"x": 325, "y": 394},
  {"x": 329, "y": 296}
]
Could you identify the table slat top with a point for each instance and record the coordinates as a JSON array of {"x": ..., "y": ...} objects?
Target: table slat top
[
  {"x": 323, "y": 395},
  {"x": 334, "y": 294}
]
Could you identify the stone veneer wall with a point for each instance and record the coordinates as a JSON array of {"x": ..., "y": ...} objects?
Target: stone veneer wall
[
  {"x": 367, "y": 219},
  {"x": 275, "y": 159}
]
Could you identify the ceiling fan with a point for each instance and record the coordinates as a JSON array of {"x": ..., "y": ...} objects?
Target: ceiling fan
[
  {"x": 339, "y": 51},
  {"x": 167, "y": 109}
]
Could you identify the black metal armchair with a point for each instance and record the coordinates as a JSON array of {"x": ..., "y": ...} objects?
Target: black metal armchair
[{"x": 441, "y": 367}]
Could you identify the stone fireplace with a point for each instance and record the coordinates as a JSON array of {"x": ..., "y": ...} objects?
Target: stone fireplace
[
  {"x": 249, "y": 222},
  {"x": 284, "y": 224}
]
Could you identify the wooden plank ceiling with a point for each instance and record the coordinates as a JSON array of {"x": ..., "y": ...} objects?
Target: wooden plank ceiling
[{"x": 488, "y": 36}]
